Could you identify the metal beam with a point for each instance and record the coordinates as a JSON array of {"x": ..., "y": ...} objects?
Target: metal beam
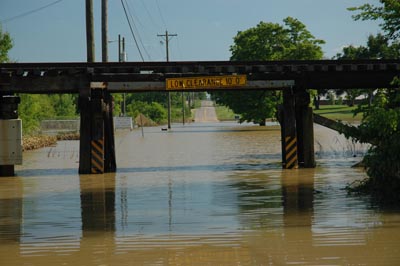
[{"x": 46, "y": 85}]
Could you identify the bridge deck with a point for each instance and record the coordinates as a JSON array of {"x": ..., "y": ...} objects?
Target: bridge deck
[{"x": 150, "y": 76}]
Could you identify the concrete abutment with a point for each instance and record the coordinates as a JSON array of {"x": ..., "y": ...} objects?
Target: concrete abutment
[{"x": 10, "y": 135}]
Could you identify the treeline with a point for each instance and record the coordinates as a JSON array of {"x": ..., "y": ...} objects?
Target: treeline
[{"x": 36, "y": 107}]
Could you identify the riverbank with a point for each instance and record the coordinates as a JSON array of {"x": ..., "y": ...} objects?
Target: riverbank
[{"x": 41, "y": 141}]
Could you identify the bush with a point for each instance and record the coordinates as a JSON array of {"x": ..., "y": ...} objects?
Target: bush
[
  {"x": 381, "y": 127},
  {"x": 154, "y": 111}
]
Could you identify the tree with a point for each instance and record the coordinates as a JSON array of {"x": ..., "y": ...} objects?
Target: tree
[
  {"x": 272, "y": 41},
  {"x": 267, "y": 41},
  {"x": 33, "y": 109},
  {"x": 378, "y": 47},
  {"x": 153, "y": 110},
  {"x": 64, "y": 105},
  {"x": 380, "y": 125},
  {"x": 388, "y": 12},
  {"x": 5, "y": 45}
]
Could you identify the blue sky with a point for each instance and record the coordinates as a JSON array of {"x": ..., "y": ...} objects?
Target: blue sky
[{"x": 205, "y": 28}]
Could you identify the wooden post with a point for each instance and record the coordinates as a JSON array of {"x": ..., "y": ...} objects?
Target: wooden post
[
  {"x": 288, "y": 131},
  {"x": 97, "y": 139},
  {"x": 97, "y": 146},
  {"x": 304, "y": 130},
  {"x": 90, "y": 32},
  {"x": 85, "y": 132},
  {"x": 110, "y": 165},
  {"x": 85, "y": 101},
  {"x": 104, "y": 30}
]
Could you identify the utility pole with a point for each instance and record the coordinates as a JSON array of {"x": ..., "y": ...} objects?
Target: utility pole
[
  {"x": 122, "y": 58},
  {"x": 167, "y": 37},
  {"x": 121, "y": 49},
  {"x": 183, "y": 108},
  {"x": 104, "y": 30},
  {"x": 90, "y": 31}
]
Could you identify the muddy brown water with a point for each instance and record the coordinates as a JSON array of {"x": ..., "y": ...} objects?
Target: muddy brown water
[{"x": 202, "y": 194}]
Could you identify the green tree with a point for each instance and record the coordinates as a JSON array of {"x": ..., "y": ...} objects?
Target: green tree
[
  {"x": 153, "y": 110},
  {"x": 272, "y": 41},
  {"x": 33, "y": 109},
  {"x": 267, "y": 41},
  {"x": 148, "y": 97},
  {"x": 388, "y": 11},
  {"x": 378, "y": 47},
  {"x": 64, "y": 105},
  {"x": 118, "y": 103},
  {"x": 5, "y": 45},
  {"x": 380, "y": 125}
]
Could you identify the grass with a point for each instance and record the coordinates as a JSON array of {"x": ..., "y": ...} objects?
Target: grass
[
  {"x": 339, "y": 112},
  {"x": 224, "y": 113},
  {"x": 176, "y": 115},
  {"x": 335, "y": 112}
]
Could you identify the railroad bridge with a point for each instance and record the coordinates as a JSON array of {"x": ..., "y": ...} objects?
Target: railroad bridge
[{"x": 94, "y": 82}]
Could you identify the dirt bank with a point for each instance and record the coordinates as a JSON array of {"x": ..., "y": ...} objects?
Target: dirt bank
[
  {"x": 40, "y": 141},
  {"x": 36, "y": 142}
]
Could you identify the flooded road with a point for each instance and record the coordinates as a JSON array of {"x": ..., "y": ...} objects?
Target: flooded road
[
  {"x": 202, "y": 194},
  {"x": 206, "y": 113}
]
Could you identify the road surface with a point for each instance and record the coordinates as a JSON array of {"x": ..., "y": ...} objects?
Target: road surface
[{"x": 206, "y": 113}]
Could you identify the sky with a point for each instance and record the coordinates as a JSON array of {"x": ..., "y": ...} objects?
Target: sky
[{"x": 205, "y": 28}]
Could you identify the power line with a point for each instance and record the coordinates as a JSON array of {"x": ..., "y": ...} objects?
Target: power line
[
  {"x": 136, "y": 28},
  {"x": 149, "y": 14},
  {"x": 179, "y": 49},
  {"x": 161, "y": 15},
  {"x": 133, "y": 34},
  {"x": 132, "y": 14},
  {"x": 30, "y": 12}
]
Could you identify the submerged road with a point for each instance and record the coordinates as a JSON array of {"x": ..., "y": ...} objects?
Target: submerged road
[{"x": 206, "y": 113}]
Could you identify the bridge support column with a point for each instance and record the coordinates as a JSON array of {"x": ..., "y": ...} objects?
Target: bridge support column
[
  {"x": 97, "y": 152},
  {"x": 10, "y": 135},
  {"x": 305, "y": 130},
  {"x": 110, "y": 165},
  {"x": 288, "y": 131},
  {"x": 297, "y": 129}
]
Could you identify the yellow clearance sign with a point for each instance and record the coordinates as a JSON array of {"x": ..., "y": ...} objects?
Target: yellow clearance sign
[{"x": 212, "y": 82}]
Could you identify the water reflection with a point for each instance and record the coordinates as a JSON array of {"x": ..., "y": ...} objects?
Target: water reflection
[
  {"x": 97, "y": 202},
  {"x": 298, "y": 200},
  {"x": 11, "y": 205},
  {"x": 298, "y": 197},
  {"x": 275, "y": 199}
]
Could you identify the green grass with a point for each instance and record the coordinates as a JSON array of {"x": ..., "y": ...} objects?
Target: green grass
[
  {"x": 176, "y": 114},
  {"x": 224, "y": 113},
  {"x": 335, "y": 112},
  {"x": 339, "y": 112}
]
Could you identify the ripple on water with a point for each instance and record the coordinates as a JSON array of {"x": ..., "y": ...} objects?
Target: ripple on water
[{"x": 198, "y": 195}]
